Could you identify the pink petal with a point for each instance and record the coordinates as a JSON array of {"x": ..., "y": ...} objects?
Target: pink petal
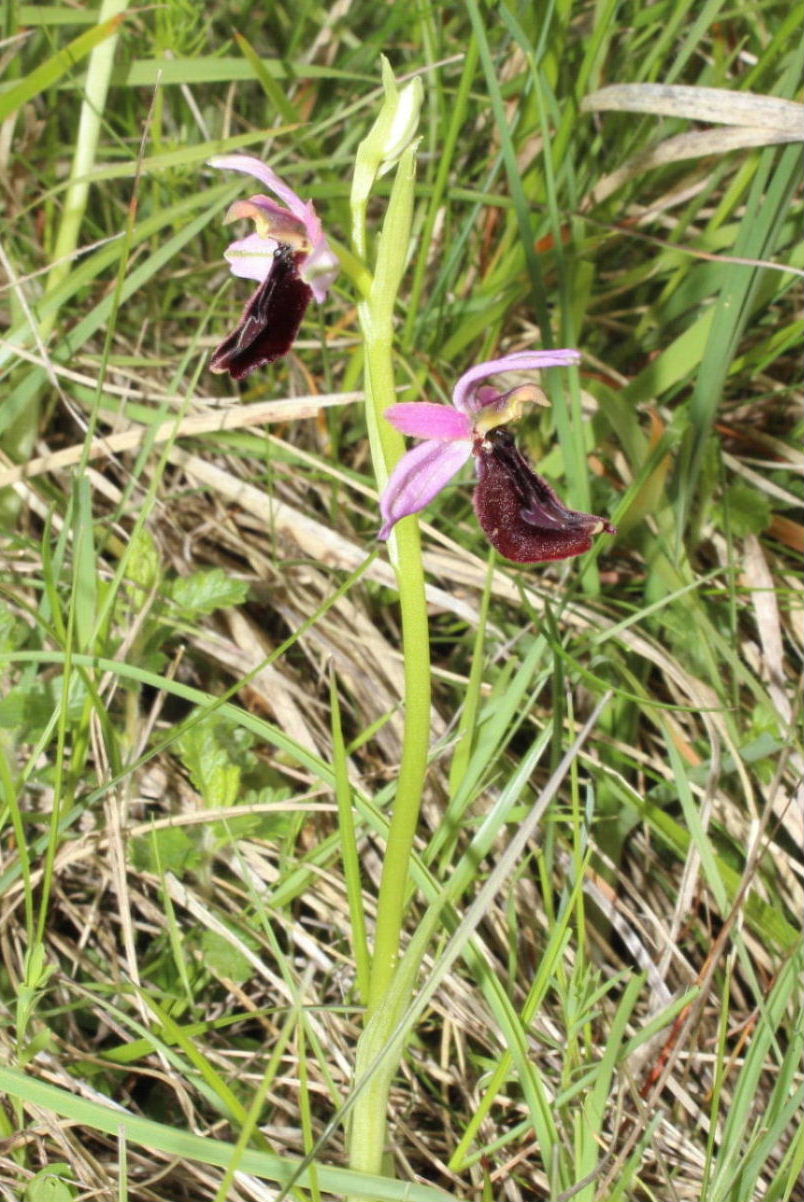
[
  {"x": 418, "y": 477},
  {"x": 313, "y": 226},
  {"x": 425, "y": 420},
  {"x": 320, "y": 268},
  {"x": 252, "y": 166},
  {"x": 271, "y": 220},
  {"x": 465, "y": 396},
  {"x": 485, "y": 396},
  {"x": 251, "y": 257}
]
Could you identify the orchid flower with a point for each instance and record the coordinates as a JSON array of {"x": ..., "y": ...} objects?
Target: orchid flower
[
  {"x": 289, "y": 256},
  {"x": 518, "y": 510}
]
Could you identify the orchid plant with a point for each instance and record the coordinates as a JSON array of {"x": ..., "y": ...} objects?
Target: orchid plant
[
  {"x": 288, "y": 254},
  {"x": 518, "y": 510},
  {"x": 291, "y": 260}
]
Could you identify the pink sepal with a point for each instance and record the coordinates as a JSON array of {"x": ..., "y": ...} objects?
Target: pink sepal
[
  {"x": 423, "y": 419},
  {"x": 261, "y": 171},
  {"x": 466, "y": 396},
  {"x": 418, "y": 477}
]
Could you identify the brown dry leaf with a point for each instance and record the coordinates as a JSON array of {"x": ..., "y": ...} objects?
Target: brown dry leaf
[
  {"x": 788, "y": 532},
  {"x": 698, "y": 145},
  {"x": 312, "y": 538},
  {"x": 237, "y": 417},
  {"x": 748, "y": 119},
  {"x": 757, "y": 578},
  {"x": 721, "y": 106},
  {"x": 270, "y": 688}
]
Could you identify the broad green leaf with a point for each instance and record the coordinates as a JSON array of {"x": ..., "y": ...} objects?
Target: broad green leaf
[{"x": 206, "y": 591}]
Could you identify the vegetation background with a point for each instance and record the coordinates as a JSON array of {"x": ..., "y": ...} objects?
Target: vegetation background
[{"x": 196, "y": 645}]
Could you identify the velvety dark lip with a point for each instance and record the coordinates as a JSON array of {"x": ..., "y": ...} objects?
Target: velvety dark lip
[
  {"x": 270, "y": 321},
  {"x": 518, "y": 510}
]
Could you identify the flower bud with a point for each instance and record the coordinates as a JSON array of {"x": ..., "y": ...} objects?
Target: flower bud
[
  {"x": 399, "y": 117},
  {"x": 390, "y": 135}
]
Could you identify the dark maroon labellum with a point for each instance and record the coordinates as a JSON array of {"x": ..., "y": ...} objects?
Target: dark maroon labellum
[
  {"x": 271, "y": 319},
  {"x": 518, "y": 510}
]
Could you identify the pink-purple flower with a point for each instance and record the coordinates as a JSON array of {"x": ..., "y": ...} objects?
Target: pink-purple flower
[
  {"x": 519, "y": 512},
  {"x": 288, "y": 254}
]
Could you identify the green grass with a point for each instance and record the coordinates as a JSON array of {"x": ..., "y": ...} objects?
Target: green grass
[{"x": 202, "y": 699}]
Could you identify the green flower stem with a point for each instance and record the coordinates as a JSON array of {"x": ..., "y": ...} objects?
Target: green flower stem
[
  {"x": 367, "y": 1133},
  {"x": 413, "y": 766},
  {"x": 377, "y": 319}
]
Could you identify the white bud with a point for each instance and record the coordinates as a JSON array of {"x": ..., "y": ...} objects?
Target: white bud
[
  {"x": 403, "y": 107},
  {"x": 390, "y": 135}
]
